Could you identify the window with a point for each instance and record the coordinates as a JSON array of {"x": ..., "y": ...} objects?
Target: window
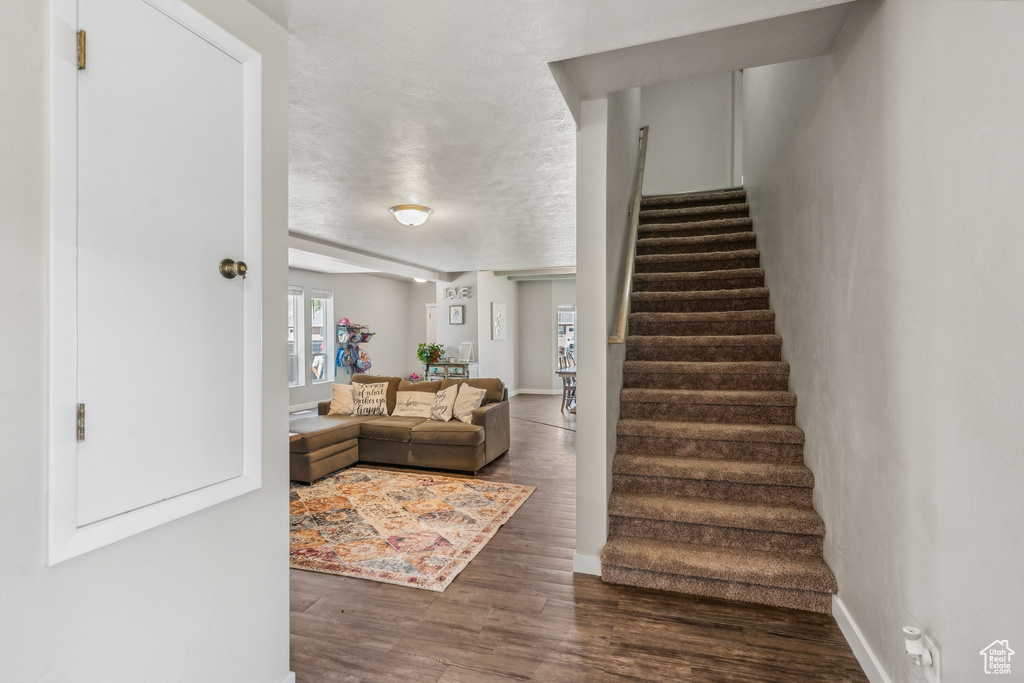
[
  {"x": 321, "y": 317},
  {"x": 296, "y": 378}
]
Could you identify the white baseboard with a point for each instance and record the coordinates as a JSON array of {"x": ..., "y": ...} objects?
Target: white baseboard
[
  {"x": 290, "y": 678},
  {"x": 542, "y": 392},
  {"x": 586, "y": 564},
  {"x": 303, "y": 406},
  {"x": 861, "y": 650}
]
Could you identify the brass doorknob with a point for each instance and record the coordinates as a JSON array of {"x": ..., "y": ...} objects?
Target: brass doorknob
[{"x": 230, "y": 269}]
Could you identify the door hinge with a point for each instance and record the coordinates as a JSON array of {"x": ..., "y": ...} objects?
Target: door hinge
[
  {"x": 81, "y": 50},
  {"x": 81, "y": 422}
]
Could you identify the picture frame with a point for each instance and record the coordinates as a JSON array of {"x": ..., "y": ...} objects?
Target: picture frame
[
  {"x": 499, "y": 321},
  {"x": 456, "y": 315}
]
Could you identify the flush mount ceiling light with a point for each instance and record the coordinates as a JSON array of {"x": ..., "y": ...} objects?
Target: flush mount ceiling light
[{"x": 411, "y": 214}]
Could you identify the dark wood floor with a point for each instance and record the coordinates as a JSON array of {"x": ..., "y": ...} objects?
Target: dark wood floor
[{"x": 518, "y": 613}]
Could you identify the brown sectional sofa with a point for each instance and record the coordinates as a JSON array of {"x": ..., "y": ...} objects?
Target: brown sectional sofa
[{"x": 326, "y": 443}]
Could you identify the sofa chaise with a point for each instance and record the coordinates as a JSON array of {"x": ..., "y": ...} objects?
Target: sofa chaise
[{"x": 327, "y": 443}]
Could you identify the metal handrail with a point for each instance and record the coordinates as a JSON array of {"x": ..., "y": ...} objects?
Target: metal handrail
[{"x": 634, "y": 225}]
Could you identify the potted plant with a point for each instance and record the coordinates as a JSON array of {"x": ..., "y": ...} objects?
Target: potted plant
[{"x": 429, "y": 353}]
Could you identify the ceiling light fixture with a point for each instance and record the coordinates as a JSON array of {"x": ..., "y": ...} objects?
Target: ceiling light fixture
[
  {"x": 411, "y": 214},
  {"x": 419, "y": 280}
]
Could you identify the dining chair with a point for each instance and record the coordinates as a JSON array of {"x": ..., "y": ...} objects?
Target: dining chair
[{"x": 568, "y": 392}]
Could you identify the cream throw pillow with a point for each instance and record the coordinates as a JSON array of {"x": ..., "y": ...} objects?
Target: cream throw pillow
[
  {"x": 413, "y": 404},
  {"x": 342, "y": 402},
  {"x": 469, "y": 400},
  {"x": 371, "y": 399},
  {"x": 444, "y": 402}
]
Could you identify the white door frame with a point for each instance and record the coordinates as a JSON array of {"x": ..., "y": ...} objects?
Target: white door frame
[{"x": 66, "y": 539}]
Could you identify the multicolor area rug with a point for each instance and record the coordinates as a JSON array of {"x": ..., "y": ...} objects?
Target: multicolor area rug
[{"x": 416, "y": 530}]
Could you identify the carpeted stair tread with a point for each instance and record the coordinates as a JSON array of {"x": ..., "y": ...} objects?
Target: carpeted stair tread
[
  {"x": 719, "y": 513},
  {"x": 662, "y": 259},
  {"x": 709, "y": 397},
  {"x": 706, "y": 340},
  {"x": 640, "y": 367},
  {"x": 683, "y": 213},
  {"x": 712, "y": 431},
  {"x": 732, "y": 194},
  {"x": 735, "y": 471},
  {"x": 714, "y": 226},
  {"x": 704, "y": 316},
  {"x": 759, "y": 568},
  {"x": 699, "y": 280},
  {"x": 697, "y": 244},
  {"x": 748, "y": 293}
]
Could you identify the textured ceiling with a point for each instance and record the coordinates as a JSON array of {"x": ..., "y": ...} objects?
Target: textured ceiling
[{"x": 451, "y": 104}]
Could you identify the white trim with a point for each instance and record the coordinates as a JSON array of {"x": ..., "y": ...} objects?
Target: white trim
[
  {"x": 586, "y": 564},
  {"x": 371, "y": 261},
  {"x": 290, "y": 678},
  {"x": 543, "y": 392},
  {"x": 861, "y": 650},
  {"x": 65, "y": 538},
  {"x": 303, "y": 406}
]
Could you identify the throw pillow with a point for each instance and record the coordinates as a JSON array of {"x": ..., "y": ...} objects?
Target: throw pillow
[
  {"x": 444, "y": 402},
  {"x": 469, "y": 400},
  {"x": 342, "y": 402},
  {"x": 371, "y": 399},
  {"x": 413, "y": 404}
]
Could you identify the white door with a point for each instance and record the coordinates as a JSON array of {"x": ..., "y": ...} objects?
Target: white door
[{"x": 166, "y": 346}]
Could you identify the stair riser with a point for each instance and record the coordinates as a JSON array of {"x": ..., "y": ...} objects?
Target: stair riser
[
  {"x": 656, "y": 204},
  {"x": 716, "y": 490},
  {"x": 698, "y": 412},
  {"x": 697, "y": 285},
  {"x": 708, "y": 380},
  {"x": 810, "y": 601},
  {"x": 702, "y": 328},
  {"x": 645, "y": 249},
  {"x": 693, "y": 229},
  {"x": 753, "y": 303},
  {"x": 698, "y": 266},
  {"x": 704, "y": 353},
  {"x": 706, "y": 534},
  {"x": 655, "y": 217},
  {"x": 712, "y": 450}
]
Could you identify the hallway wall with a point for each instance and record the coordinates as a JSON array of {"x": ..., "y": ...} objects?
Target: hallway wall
[
  {"x": 883, "y": 181},
  {"x": 202, "y": 598}
]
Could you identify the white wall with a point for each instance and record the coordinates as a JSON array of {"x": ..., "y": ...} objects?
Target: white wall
[
  {"x": 884, "y": 183},
  {"x": 536, "y": 353},
  {"x": 691, "y": 134},
  {"x": 420, "y": 294},
  {"x": 591, "y": 336},
  {"x": 453, "y": 335},
  {"x": 204, "y": 597},
  {"x": 538, "y": 334},
  {"x": 498, "y": 358},
  {"x": 624, "y": 116},
  {"x": 606, "y": 147},
  {"x": 382, "y": 304}
]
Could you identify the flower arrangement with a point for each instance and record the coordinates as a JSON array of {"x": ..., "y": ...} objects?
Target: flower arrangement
[{"x": 429, "y": 353}]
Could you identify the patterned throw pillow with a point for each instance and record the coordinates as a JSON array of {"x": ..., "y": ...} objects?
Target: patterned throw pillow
[
  {"x": 371, "y": 399},
  {"x": 444, "y": 402},
  {"x": 413, "y": 404},
  {"x": 469, "y": 400},
  {"x": 342, "y": 402}
]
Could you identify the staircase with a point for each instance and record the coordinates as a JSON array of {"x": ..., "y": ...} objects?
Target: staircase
[{"x": 710, "y": 494}]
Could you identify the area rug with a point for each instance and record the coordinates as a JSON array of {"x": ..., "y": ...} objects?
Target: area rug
[{"x": 416, "y": 530}]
